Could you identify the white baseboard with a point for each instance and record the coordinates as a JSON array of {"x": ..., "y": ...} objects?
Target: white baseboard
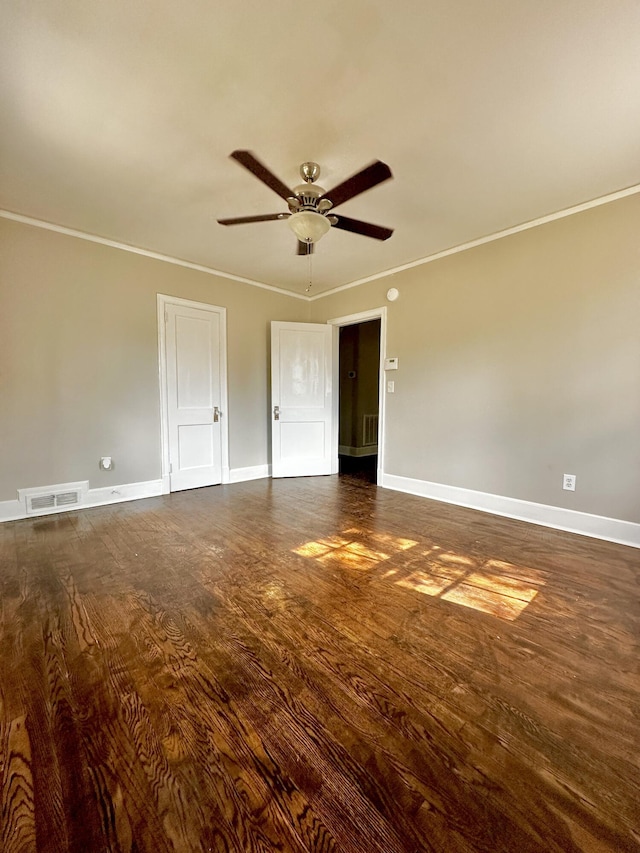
[
  {"x": 13, "y": 510},
  {"x": 597, "y": 526},
  {"x": 127, "y": 492},
  {"x": 253, "y": 472},
  {"x": 369, "y": 450}
]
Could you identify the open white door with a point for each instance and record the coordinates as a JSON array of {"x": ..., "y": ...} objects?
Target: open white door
[
  {"x": 301, "y": 399},
  {"x": 193, "y": 365}
]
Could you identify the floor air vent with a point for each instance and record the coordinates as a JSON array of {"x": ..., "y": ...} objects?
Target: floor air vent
[
  {"x": 45, "y": 499},
  {"x": 41, "y": 502},
  {"x": 370, "y": 429}
]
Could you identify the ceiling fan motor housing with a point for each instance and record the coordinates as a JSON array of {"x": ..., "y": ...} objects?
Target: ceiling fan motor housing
[{"x": 308, "y": 195}]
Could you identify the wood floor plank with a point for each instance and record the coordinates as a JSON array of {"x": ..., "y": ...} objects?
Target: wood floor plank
[{"x": 315, "y": 665}]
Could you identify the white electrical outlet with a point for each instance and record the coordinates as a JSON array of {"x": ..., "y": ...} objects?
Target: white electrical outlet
[
  {"x": 569, "y": 482},
  {"x": 106, "y": 463}
]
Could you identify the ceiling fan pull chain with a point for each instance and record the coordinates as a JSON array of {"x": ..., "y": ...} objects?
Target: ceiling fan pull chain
[{"x": 309, "y": 285}]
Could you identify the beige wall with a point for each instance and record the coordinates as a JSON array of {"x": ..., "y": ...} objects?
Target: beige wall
[
  {"x": 520, "y": 361},
  {"x": 79, "y": 359}
]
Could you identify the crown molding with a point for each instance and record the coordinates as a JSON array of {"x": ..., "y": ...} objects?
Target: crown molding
[
  {"x": 147, "y": 253},
  {"x": 489, "y": 238},
  {"x": 453, "y": 250}
]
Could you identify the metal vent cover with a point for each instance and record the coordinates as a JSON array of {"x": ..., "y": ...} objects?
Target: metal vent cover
[
  {"x": 40, "y": 502},
  {"x": 45, "y": 499},
  {"x": 370, "y": 430},
  {"x": 68, "y": 498}
]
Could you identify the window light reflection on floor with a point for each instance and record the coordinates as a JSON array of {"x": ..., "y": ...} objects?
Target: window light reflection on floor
[{"x": 496, "y": 587}]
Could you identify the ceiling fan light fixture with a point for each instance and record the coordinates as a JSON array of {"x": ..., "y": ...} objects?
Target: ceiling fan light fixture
[{"x": 309, "y": 226}]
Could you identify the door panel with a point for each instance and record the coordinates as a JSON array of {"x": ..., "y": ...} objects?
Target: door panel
[
  {"x": 301, "y": 369},
  {"x": 195, "y": 362},
  {"x": 300, "y": 440},
  {"x": 193, "y": 391},
  {"x": 195, "y": 446},
  {"x": 301, "y": 375}
]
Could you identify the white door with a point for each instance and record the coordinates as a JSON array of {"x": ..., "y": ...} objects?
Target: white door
[
  {"x": 193, "y": 361},
  {"x": 301, "y": 399}
]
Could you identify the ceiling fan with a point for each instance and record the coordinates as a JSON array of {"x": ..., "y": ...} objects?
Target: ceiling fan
[{"x": 309, "y": 204}]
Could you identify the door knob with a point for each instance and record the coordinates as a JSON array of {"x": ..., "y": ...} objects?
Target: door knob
[{"x": 276, "y": 413}]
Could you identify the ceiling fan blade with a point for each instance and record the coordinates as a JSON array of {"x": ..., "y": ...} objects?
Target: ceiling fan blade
[
  {"x": 362, "y": 181},
  {"x": 246, "y": 159},
  {"x": 241, "y": 220},
  {"x": 367, "y": 229},
  {"x": 305, "y": 248}
]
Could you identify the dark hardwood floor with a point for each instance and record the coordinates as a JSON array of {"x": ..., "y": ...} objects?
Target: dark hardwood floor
[{"x": 315, "y": 665}]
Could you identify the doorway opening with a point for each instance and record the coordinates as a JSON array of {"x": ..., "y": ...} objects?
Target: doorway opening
[{"x": 359, "y": 399}]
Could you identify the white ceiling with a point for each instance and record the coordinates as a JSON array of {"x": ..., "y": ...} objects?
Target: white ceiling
[{"x": 118, "y": 118}]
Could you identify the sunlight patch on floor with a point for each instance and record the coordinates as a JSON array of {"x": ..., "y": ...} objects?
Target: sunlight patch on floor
[
  {"x": 353, "y": 553},
  {"x": 499, "y": 595},
  {"x": 496, "y": 587}
]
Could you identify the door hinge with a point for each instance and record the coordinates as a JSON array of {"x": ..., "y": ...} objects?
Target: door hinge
[{"x": 170, "y": 468}]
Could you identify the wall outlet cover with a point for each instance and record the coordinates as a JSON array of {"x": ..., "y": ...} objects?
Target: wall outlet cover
[{"x": 569, "y": 482}]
